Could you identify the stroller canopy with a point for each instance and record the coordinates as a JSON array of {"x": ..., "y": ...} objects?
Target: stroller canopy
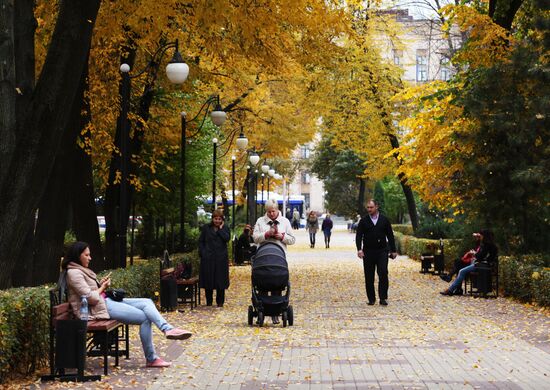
[{"x": 269, "y": 268}]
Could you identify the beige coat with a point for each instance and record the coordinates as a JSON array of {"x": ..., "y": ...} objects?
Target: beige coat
[
  {"x": 83, "y": 281},
  {"x": 262, "y": 226}
]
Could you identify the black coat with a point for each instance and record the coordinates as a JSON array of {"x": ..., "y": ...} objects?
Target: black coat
[
  {"x": 374, "y": 237},
  {"x": 214, "y": 271}
]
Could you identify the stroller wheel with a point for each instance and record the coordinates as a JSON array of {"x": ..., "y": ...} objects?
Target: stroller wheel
[
  {"x": 290, "y": 315},
  {"x": 285, "y": 318},
  {"x": 250, "y": 315},
  {"x": 261, "y": 318}
]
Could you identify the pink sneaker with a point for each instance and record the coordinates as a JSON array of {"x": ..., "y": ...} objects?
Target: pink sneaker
[
  {"x": 158, "y": 363},
  {"x": 177, "y": 334}
]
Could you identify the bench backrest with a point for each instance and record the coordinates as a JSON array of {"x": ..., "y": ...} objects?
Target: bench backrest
[{"x": 62, "y": 312}]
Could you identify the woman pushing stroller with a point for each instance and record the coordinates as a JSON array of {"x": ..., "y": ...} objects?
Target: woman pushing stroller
[{"x": 273, "y": 227}]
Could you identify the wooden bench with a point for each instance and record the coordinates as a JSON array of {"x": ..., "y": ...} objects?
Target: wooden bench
[
  {"x": 97, "y": 338},
  {"x": 187, "y": 290},
  {"x": 484, "y": 281}
]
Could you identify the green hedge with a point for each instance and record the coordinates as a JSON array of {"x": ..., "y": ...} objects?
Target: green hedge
[
  {"x": 403, "y": 228},
  {"x": 24, "y": 314},
  {"x": 526, "y": 278},
  {"x": 24, "y": 334},
  {"x": 415, "y": 247}
]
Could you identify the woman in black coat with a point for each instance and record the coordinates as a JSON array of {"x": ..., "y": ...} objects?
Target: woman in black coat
[{"x": 214, "y": 270}]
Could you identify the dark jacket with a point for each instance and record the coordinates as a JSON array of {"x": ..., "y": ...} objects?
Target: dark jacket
[
  {"x": 374, "y": 237},
  {"x": 487, "y": 252},
  {"x": 214, "y": 270},
  {"x": 327, "y": 224}
]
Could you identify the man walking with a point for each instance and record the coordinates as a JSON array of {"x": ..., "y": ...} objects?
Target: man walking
[{"x": 373, "y": 235}]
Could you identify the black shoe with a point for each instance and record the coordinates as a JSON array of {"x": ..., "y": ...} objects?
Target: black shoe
[
  {"x": 446, "y": 292},
  {"x": 446, "y": 278},
  {"x": 275, "y": 319},
  {"x": 383, "y": 302},
  {"x": 371, "y": 303}
]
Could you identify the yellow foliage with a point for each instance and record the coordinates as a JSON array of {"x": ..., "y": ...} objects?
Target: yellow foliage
[{"x": 488, "y": 43}]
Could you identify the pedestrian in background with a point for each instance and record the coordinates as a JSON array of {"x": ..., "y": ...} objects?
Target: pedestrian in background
[
  {"x": 295, "y": 219},
  {"x": 214, "y": 269},
  {"x": 326, "y": 227},
  {"x": 374, "y": 235},
  {"x": 312, "y": 225}
]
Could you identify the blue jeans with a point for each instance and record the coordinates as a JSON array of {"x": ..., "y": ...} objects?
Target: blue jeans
[
  {"x": 460, "y": 278},
  {"x": 142, "y": 312}
]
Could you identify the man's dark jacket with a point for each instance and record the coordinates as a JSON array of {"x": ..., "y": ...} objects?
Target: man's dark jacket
[{"x": 373, "y": 237}]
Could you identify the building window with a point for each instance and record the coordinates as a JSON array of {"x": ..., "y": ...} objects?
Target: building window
[
  {"x": 306, "y": 201},
  {"x": 445, "y": 70},
  {"x": 421, "y": 65},
  {"x": 398, "y": 57},
  {"x": 306, "y": 151},
  {"x": 306, "y": 178}
]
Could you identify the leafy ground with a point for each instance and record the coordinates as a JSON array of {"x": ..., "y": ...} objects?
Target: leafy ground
[{"x": 421, "y": 340}]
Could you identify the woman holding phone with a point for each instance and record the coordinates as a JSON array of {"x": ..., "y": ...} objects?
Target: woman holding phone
[
  {"x": 81, "y": 281},
  {"x": 214, "y": 269}
]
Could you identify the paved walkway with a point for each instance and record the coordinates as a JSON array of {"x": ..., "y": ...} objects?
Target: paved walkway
[{"x": 422, "y": 340}]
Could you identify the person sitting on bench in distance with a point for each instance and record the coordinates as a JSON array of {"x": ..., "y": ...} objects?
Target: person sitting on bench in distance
[
  {"x": 82, "y": 281},
  {"x": 465, "y": 260},
  {"x": 245, "y": 251},
  {"x": 488, "y": 252}
]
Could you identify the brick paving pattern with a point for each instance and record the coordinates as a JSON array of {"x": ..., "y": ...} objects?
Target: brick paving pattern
[{"x": 422, "y": 340}]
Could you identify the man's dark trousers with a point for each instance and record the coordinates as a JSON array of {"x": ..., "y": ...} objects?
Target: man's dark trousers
[{"x": 376, "y": 259}]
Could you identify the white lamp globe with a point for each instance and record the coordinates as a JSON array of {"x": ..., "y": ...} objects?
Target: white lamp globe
[
  {"x": 218, "y": 116},
  {"x": 271, "y": 172},
  {"x": 265, "y": 168},
  {"x": 242, "y": 142},
  {"x": 254, "y": 159},
  {"x": 177, "y": 72}
]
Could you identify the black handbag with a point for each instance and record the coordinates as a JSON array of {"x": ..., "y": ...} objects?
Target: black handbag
[{"x": 116, "y": 294}]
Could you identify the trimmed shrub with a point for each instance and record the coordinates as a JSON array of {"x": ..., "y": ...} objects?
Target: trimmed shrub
[
  {"x": 403, "y": 228},
  {"x": 24, "y": 332},
  {"x": 526, "y": 278},
  {"x": 414, "y": 247},
  {"x": 25, "y": 317}
]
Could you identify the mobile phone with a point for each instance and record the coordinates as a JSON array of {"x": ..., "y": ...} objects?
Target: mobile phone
[{"x": 108, "y": 275}]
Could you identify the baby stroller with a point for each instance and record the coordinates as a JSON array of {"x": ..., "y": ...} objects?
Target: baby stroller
[{"x": 270, "y": 285}]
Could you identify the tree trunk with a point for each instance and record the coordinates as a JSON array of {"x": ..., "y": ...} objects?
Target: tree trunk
[
  {"x": 361, "y": 197},
  {"x": 29, "y": 167},
  {"x": 407, "y": 190},
  {"x": 85, "y": 223},
  {"x": 55, "y": 207}
]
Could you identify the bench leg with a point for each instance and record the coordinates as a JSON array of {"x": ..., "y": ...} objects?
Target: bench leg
[
  {"x": 116, "y": 346},
  {"x": 105, "y": 351},
  {"x": 127, "y": 341}
]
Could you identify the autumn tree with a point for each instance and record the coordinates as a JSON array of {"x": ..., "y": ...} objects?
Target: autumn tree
[{"x": 475, "y": 144}]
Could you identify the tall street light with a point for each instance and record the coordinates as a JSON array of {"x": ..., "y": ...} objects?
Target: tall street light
[
  {"x": 218, "y": 117},
  {"x": 233, "y": 193},
  {"x": 177, "y": 72},
  {"x": 214, "y": 149},
  {"x": 254, "y": 160},
  {"x": 270, "y": 174}
]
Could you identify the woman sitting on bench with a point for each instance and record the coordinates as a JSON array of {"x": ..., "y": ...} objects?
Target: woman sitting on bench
[
  {"x": 488, "y": 252},
  {"x": 82, "y": 281}
]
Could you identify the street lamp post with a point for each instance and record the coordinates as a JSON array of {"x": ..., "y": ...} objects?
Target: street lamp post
[
  {"x": 254, "y": 159},
  {"x": 233, "y": 194},
  {"x": 214, "y": 149},
  {"x": 263, "y": 177},
  {"x": 177, "y": 72},
  {"x": 218, "y": 117}
]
